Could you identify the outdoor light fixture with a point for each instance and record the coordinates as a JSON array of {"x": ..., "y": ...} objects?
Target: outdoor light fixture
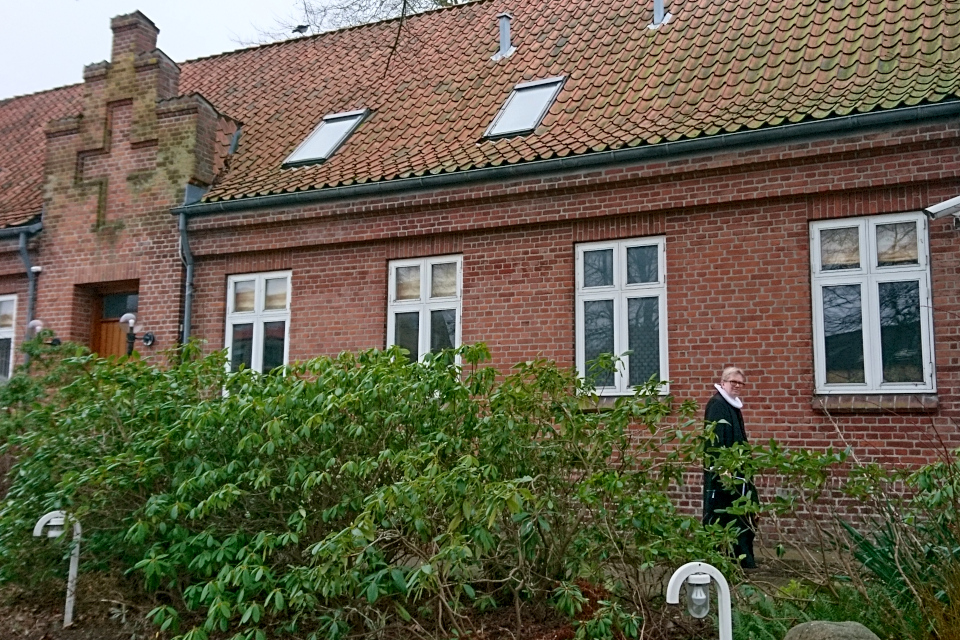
[
  {"x": 697, "y": 576},
  {"x": 54, "y": 523},
  {"x": 148, "y": 338},
  {"x": 36, "y": 326},
  {"x": 698, "y": 595}
]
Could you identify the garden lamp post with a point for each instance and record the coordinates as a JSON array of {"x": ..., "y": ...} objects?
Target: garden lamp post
[
  {"x": 698, "y": 576},
  {"x": 54, "y": 523}
]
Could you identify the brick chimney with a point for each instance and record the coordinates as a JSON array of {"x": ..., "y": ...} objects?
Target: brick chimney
[{"x": 133, "y": 33}]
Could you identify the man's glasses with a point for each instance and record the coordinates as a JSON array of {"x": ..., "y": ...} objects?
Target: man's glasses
[{"x": 737, "y": 383}]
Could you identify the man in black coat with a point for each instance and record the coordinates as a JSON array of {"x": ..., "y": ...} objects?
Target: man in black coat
[{"x": 723, "y": 409}]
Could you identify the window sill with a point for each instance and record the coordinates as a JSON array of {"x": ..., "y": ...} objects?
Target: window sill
[{"x": 876, "y": 403}]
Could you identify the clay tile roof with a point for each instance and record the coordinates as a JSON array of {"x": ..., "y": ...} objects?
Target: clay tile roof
[
  {"x": 22, "y": 143},
  {"x": 719, "y": 66}
]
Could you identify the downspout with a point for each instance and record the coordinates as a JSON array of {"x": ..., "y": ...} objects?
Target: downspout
[
  {"x": 187, "y": 257},
  {"x": 23, "y": 233},
  {"x": 31, "y": 277}
]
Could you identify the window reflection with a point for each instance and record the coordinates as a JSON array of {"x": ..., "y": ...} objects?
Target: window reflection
[
  {"x": 243, "y": 295},
  {"x": 598, "y": 268},
  {"x": 443, "y": 280},
  {"x": 642, "y": 264},
  {"x": 443, "y": 329},
  {"x": 6, "y": 316},
  {"x": 598, "y": 338},
  {"x": 408, "y": 283},
  {"x": 897, "y": 244},
  {"x": 274, "y": 335},
  {"x": 241, "y": 346},
  {"x": 407, "y": 333},
  {"x": 644, "y": 338},
  {"x": 275, "y": 294},
  {"x": 840, "y": 249},
  {"x": 6, "y": 354},
  {"x": 900, "y": 331},
  {"x": 843, "y": 333}
]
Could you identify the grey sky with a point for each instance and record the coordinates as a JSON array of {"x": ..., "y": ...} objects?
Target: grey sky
[{"x": 46, "y": 43}]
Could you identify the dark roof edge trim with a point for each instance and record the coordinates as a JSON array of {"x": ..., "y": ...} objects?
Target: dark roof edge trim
[
  {"x": 722, "y": 142},
  {"x": 13, "y": 232}
]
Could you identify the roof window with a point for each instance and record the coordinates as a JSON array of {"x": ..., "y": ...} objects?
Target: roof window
[
  {"x": 525, "y": 108},
  {"x": 332, "y": 132}
]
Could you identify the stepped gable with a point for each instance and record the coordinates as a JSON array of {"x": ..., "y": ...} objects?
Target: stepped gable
[{"x": 22, "y": 143}]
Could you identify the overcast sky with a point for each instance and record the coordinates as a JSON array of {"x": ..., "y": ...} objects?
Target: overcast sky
[{"x": 46, "y": 43}]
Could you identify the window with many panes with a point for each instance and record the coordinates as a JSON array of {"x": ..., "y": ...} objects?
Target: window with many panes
[
  {"x": 423, "y": 313},
  {"x": 622, "y": 310},
  {"x": 258, "y": 320},
  {"x": 8, "y": 314},
  {"x": 871, "y": 305}
]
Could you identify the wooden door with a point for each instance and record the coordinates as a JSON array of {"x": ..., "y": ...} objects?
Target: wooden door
[{"x": 109, "y": 336}]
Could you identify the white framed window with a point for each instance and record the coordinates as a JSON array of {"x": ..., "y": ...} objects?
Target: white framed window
[
  {"x": 8, "y": 318},
  {"x": 622, "y": 309},
  {"x": 872, "y": 316},
  {"x": 258, "y": 320},
  {"x": 423, "y": 309}
]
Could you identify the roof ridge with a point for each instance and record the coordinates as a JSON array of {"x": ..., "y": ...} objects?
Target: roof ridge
[{"x": 356, "y": 27}]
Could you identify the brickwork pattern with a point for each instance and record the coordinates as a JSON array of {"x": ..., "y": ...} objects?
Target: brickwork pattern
[
  {"x": 738, "y": 276},
  {"x": 112, "y": 176}
]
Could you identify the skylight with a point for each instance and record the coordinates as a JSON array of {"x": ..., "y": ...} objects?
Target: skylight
[
  {"x": 525, "y": 108},
  {"x": 320, "y": 145}
]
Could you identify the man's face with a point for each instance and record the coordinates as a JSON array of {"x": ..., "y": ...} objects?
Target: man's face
[{"x": 734, "y": 385}]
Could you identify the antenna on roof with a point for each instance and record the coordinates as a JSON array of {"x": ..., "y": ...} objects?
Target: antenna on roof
[
  {"x": 659, "y": 15},
  {"x": 506, "y": 49}
]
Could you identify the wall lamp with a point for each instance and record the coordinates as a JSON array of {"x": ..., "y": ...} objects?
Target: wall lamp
[
  {"x": 36, "y": 326},
  {"x": 697, "y": 576},
  {"x": 54, "y": 524},
  {"x": 148, "y": 338}
]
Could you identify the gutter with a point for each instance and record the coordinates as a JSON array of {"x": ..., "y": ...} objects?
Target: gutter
[
  {"x": 722, "y": 142},
  {"x": 23, "y": 233}
]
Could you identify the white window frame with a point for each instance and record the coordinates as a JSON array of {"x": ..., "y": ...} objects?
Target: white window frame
[
  {"x": 10, "y": 332},
  {"x": 620, "y": 292},
  {"x": 425, "y": 304},
  {"x": 259, "y": 316},
  {"x": 869, "y": 276}
]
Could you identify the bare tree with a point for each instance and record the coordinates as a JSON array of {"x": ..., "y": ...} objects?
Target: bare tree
[{"x": 316, "y": 16}]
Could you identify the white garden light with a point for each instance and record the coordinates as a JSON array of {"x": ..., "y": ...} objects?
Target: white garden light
[
  {"x": 53, "y": 523},
  {"x": 698, "y": 576}
]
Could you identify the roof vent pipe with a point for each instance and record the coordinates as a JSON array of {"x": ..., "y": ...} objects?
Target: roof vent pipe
[
  {"x": 660, "y": 16},
  {"x": 506, "y": 49}
]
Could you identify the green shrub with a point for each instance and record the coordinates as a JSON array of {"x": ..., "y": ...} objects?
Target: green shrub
[
  {"x": 348, "y": 495},
  {"x": 910, "y": 547}
]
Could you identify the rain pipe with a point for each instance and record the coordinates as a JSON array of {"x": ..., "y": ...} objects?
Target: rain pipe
[
  {"x": 23, "y": 233},
  {"x": 187, "y": 257}
]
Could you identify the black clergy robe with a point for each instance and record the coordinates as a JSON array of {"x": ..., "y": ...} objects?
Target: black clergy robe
[{"x": 728, "y": 431}]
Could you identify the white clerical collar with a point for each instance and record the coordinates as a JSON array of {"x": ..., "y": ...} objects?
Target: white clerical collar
[{"x": 736, "y": 402}]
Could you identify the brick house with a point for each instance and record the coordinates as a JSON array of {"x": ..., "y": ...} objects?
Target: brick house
[{"x": 736, "y": 183}]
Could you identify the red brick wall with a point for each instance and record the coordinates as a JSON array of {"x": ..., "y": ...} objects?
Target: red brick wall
[
  {"x": 738, "y": 274},
  {"x": 736, "y": 228}
]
